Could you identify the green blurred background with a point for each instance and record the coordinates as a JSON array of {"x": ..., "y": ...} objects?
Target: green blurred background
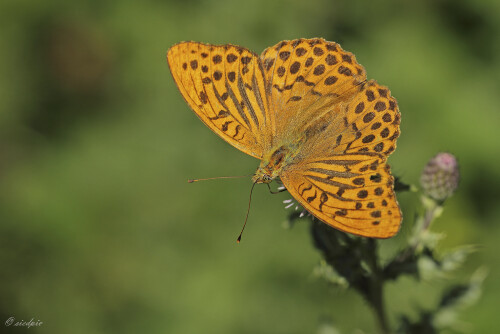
[{"x": 99, "y": 231}]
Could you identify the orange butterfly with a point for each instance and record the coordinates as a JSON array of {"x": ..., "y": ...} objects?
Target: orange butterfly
[{"x": 306, "y": 110}]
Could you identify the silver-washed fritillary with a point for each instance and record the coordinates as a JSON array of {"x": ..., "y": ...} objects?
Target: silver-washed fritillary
[{"x": 306, "y": 110}]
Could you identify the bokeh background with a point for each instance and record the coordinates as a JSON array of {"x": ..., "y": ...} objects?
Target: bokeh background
[{"x": 99, "y": 231}]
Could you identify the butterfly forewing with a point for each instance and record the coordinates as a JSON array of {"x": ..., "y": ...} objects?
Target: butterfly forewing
[
  {"x": 352, "y": 192},
  {"x": 372, "y": 119},
  {"x": 224, "y": 86},
  {"x": 306, "y": 78}
]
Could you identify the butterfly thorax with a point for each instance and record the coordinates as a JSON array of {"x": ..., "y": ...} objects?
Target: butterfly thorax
[{"x": 273, "y": 163}]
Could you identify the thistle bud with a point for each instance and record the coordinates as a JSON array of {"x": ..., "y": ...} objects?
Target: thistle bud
[{"x": 440, "y": 176}]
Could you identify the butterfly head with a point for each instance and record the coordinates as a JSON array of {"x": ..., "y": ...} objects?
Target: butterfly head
[{"x": 262, "y": 176}]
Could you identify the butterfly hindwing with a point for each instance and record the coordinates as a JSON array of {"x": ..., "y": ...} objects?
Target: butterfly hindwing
[
  {"x": 342, "y": 176},
  {"x": 353, "y": 193},
  {"x": 224, "y": 86}
]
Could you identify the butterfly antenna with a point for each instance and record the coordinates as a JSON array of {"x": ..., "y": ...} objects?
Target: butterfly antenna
[
  {"x": 218, "y": 177},
  {"x": 248, "y": 211}
]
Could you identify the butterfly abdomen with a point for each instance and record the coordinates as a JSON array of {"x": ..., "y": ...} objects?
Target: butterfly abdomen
[{"x": 316, "y": 128}]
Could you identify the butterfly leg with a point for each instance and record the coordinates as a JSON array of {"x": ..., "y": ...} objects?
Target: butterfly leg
[{"x": 280, "y": 189}]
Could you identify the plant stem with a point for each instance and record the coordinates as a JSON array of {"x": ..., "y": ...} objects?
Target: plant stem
[
  {"x": 379, "y": 307},
  {"x": 376, "y": 296}
]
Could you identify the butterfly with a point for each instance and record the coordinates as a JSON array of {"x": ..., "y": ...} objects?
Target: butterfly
[{"x": 305, "y": 108}]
